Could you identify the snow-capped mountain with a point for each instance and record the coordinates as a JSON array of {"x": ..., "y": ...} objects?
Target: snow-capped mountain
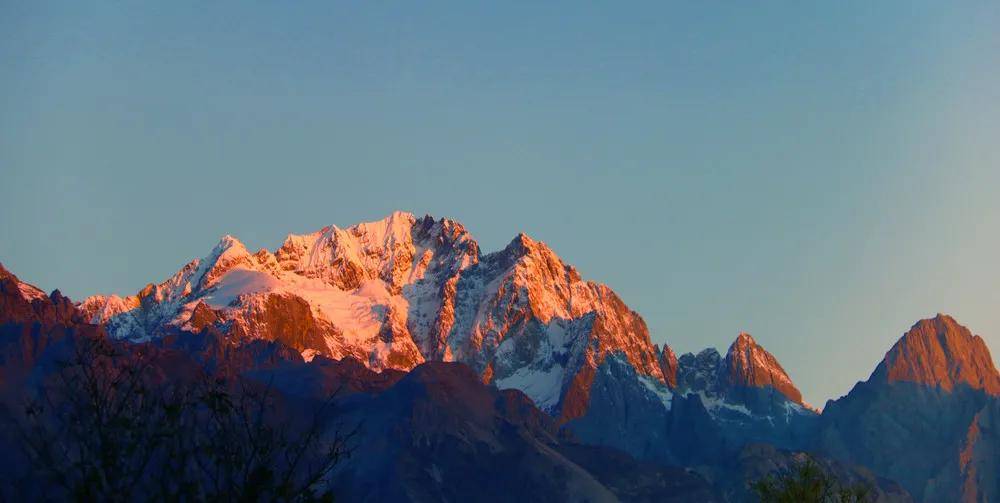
[
  {"x": 434, "y": 433},
  {"x": 393, "y": 294},
  {"x": 398, "y": 292}
]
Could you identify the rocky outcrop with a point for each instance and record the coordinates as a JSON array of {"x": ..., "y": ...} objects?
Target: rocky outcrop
[
  {"x": 668, "y": 364},
  {"x": 979, "y": 459}
]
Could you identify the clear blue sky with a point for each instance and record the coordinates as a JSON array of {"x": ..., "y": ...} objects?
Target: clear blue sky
[{"x": 821, "y": 176}]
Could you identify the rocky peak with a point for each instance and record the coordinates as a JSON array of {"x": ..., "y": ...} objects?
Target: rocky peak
[
  {"x": 28, "y": 292},
  {"x": 21, "y": 302},
  {"x": 668, "y": 364},
  {"x": 5, "y": 274},
  {"x": 749, "y": 364},
  {"x": 521, "y": 245},
  {"x": 227, "y": 254},
  {"x": 396, "y": 250},
  {"x": 523, "y": 250},
  {"x": 699, "y": 372},
  {"x": 14, "y": 305},
  {"x": 940, "y": 352},
  {"x": 523, "y": 307},
  {"x": 101, "y": 308},
  {"x": 429, "y": 230}
]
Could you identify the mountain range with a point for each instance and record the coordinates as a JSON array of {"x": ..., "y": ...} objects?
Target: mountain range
[{"x": 514, "y": 350}]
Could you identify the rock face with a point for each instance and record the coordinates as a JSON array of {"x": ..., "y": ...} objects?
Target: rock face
[
  {"x": 717, "y": 405},
  {"x": 30, "y": 322},
  {"x": 939, "y": 352},
  {"x": 926, "y": 417},
  {"x": 668, "y": 365},
  {"x": 22, "y": 303},
  {"x": 628, "y": 411},
  {"x": 438, "y": 434},
  {"x": 747, "y": 394},
  {"x": 748, "y": 365},
  {"x": 398, "y": 292}
]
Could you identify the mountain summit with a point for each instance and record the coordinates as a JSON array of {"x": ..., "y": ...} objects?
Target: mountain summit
[
  {"x": 927, "y": 417},
  {"x": 749, "y": 364},
  {"x": 940, "y": 352}
]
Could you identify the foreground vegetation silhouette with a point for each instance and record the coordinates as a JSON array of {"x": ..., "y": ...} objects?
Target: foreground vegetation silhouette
[
  {"x": 807, "y": 482},
  {"x": 108, "y": 425}
]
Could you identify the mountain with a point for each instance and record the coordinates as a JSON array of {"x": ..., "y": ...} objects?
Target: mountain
[
  {"x": 939, "y": 352},
  {"x": 396, "y": 293},
  {"x": 407, "y": 313},
  {"x": 746, "y": 367},
  {"x": 439, "y": 434},
  {"x": 405, "y": 290},
  {"x": 749, "y": 365},
  {"x": 31, "y": 322},
  {"x": 434, "y": 433},
  {"x": 748, "y": 394},
  {"x": 23, "y": 303},
  {"x": 927, "y": 417},
  {"x": 715, "y": 407}
]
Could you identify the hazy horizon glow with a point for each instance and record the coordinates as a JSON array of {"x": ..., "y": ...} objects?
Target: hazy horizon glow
[{"x": 819, "y": 176}]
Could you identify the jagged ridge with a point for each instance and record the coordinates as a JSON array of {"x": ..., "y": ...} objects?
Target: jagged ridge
[{"x": 400, "y": 291}]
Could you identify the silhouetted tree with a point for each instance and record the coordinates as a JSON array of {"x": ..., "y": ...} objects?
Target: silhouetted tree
[
  {"x": 807, "y": 482},
  {"x": 110, "y": 426}
]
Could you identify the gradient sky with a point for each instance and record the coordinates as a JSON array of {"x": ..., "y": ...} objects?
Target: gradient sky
[{"x": 820, "y": 176}]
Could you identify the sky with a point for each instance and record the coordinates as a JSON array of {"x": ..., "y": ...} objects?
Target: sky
[{"x": 821, "y": 176}]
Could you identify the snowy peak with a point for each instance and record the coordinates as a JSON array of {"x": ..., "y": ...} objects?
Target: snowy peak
[
  {"x": 749, "y": 364},
  {"x": 226, "y": 255},
  {"x": 403, "y": 290},
  {"x": 522, "y": 314},
  {"x": 383, "y": 250},
  {"x": 940, "y": 352},
  {"x": 101, "y": 308}
]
